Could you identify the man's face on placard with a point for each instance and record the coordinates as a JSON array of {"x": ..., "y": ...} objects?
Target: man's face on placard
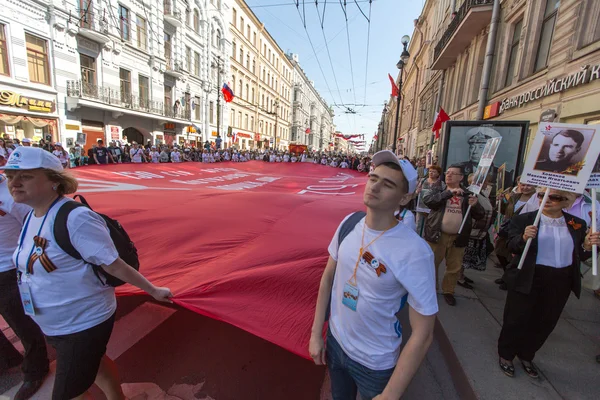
[
  {"x": 562, "y": 149},
  {"x": 476, "y": 151}
]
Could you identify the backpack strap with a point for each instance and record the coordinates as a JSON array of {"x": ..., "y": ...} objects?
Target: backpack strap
[
  {"x": 349, "y": 224},
  {"x": 61, "y": 231}
]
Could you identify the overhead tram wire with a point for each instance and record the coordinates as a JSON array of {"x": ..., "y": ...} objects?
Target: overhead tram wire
[
  {"x": 349, "y": 53},
  {"x": 368, "y": 43}
]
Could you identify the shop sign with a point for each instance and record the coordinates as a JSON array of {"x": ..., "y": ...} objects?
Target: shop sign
[
  {"x": 586, "y": 74},
  {"x": 244, "y": 135},
  {"x": 215, "y": 134},
  {"x": 12, "y": 99},
  {"x": 114, "y": 132},
  {"x": 169, "y": 127},
  {"x": 491, "y": 110},
  {"x": 71, "y": 127},
  {"x": 548, "y": 116}
]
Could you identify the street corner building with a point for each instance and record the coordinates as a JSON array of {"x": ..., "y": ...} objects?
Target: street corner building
[{"x": 545, "y": 67}]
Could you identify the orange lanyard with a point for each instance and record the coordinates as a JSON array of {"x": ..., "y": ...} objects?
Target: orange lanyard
[{"x": 363, "y": 248}]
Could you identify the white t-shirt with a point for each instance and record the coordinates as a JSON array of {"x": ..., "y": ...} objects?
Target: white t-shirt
[
  {"x": 12, "y": 216},
  {"x": 176, "y": 156},
  {"x": 155, "y": 156},
  {"x": 136, "y": 155},
  {"x": 62, "y": 156},
  {"x": 71, "y": 298},
  {"x": 372, "y": 335},
  {"x": 344, "y": 164},
  {"x": 408, "y": 219},
  {"x": 286, "y": 158}
]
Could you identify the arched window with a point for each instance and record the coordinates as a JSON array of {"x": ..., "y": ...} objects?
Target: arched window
[
  {"x": 188, "y": 12},
  {"x": 218, "y": 4},
  {"x": 241, "y": 56},
  {"x": 218, "y": 43},
  {"x": 196, "y": 21},
  {"x": 248, "y": 60},
  {"x": 234, "y": 49},
  {"x": 252, "y": 99},
  {"x": 247, "y": 91},
  {"x": 241, "y": 87},
  {"x": 254, "y": 66}
]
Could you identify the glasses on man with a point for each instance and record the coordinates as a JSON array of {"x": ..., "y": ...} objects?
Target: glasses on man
[{"x": 553, "y": 197}]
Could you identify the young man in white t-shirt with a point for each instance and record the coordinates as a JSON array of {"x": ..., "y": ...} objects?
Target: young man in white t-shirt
[{"x": 378, "y": 267}]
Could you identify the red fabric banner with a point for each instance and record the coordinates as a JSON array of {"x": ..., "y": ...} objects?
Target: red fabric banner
[{"x": 245, "y": 243}]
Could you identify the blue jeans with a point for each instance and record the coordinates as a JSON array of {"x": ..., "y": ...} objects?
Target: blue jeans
[{"x": 348, "y": 376}]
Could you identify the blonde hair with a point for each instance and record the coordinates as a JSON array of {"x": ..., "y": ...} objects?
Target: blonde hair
[{"x": 67, "y": 184}]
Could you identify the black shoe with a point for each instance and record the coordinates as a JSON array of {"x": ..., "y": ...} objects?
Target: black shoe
[
  {"x": 509, "y": 370},
  {"x": 464, "y": 284},
  {"x": 498, "y": 281},
  {"x": 503, "y": 286},
  {"x": 11, "y": 365},
  {"x": 28, "y": 389},
  {"x": 449, "y": 297},
  {"x": 469, "y": 280},
  {"x": 530, "y": 370}
]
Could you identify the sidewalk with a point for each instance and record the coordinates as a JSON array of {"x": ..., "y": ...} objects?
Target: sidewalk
[{"x": 566, "y": 362}]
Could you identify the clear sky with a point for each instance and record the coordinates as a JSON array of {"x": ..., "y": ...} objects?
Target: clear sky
[{"x": 390, "y": 20}]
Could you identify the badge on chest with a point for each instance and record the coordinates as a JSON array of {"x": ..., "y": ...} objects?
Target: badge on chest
[
  {"x": 350, "y": 298},
  {"x": 374, "y": 264}
]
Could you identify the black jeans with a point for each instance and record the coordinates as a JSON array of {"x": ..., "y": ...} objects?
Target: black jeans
[
  {"x": 530, "y": 318},
  {"x": 35, "y": 363}
]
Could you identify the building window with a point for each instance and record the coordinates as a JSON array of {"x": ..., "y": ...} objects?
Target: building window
[
  {"x": 144, "y": 91},
  {"x": 196, "y": 63},
  {"x": 591, "y": 26},
  {"x": 187, "y": 16},
  {"x": 254, "y": 39},
  {"x": 252, "y": 123},
  {"x": 4, "y": 69},
  {"x": 513, "y": 51},
  {"x": 211, "y": 111},
  {"x": 239, "y": 121},
  {"x": 188, "y": 58},
  {"x": 248, "y": 31},
  {"x": 246, "y": 121},
  {"x": 234, "y": 19},
  {"x": 88, "y": 72},
  {"x": 197, "y": 108},
  {"x": 247, "y": 91},
  {"x": 168, "y": 99},
  {"x": 124, "y": 22},
  {"x": 234, "y": 50},
  {"x": 543, "y": 50},
  {"x": 142, "y": 36},
  {"x": 168, "y": 49},
  {"x": 240, "y": 87},
  {"x": 254, "y": 66},
  {"x": 218, "y": 42},
  {"x": 232, "y": 119},
  {"x": 241, "y": 56},
  {"x": 248, "y": 61},
  {"x": 242, "y": 25},
  {"x": 37, "y": 59},
  {"x": 125, "y": 78},
  {"x": 196, "y": 21},
  {"x": 252, "y": 98}
]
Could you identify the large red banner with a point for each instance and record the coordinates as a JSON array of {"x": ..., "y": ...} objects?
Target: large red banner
[{"x": 245, "y": 243}]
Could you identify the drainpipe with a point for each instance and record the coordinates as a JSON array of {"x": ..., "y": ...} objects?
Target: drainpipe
[
  {"x": 489, "y": 58},
  {"x": 452, "y": 6},
  {"x": 438, "y": 104},
  {"x": 412, "y": 117},
  {"x": 52, "y": 21}
]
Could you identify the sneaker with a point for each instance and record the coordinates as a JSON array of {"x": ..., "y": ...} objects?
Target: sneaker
[
  {"x": 464, "y": 284},
  {"x": 498, "y": 281},
  {"x": 28, "y": 389},
  {"x": 469, "y": 280}
]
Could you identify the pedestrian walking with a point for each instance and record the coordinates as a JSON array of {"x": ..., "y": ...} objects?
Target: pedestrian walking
[
  {"x": 63, "y": 294},
  {"x": 448, "y": 207},
  {"x": 365, "y": 280},
  {"x": 537, "y": 294}
]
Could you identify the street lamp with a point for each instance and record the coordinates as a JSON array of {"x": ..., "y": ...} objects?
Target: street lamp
[{"x": 400, "y": 65}]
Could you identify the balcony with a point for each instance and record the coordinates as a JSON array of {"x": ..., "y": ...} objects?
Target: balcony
[
  {"x": 172, "y": 15},
  {"x": 472, "y": 17},
  {"x": 297, "y": 104},
  {"x": 81, "y": 93},
  {"x": 173, "y": 68},
  {"x": 94, "y": 27}
]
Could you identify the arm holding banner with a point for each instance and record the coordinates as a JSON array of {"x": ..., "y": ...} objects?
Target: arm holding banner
[{"x": 436, "y": 199}]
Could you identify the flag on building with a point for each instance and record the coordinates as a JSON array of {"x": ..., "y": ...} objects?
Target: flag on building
[
  {"x": 394, "y": 87},
  {"x": 227, "y": 93},
  {"x": 440, "y": 118},
  {"x": 307, "y": 130}
]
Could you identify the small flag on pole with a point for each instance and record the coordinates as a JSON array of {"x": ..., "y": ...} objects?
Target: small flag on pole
[
  {"x": 440, "y": 118},
  {"x": 394, "y": 87},
  {"x": 227, "y": 93}
]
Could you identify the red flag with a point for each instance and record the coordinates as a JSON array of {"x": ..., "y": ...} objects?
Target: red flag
[
  {"x": 440, "y": 118},
  {"x": 227, "y": 93},
  {"x": 394, "y": 87}
]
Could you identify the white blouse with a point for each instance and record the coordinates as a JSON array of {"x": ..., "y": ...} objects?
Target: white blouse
[{"x": 555, "y": 245}]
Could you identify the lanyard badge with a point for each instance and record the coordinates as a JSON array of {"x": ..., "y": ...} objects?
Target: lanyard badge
[{"x": 351, "y": 292}]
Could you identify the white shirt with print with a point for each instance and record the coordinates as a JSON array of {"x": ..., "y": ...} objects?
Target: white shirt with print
[
  {"x": 71, "y": 298},
  {"x": 372, "y": 335},
  {"x": 136, "y": 155},
  {"x": 176, "y": 156}
]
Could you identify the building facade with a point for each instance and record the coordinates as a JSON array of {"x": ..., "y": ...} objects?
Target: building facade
[
  {"x": 261, "y": 78},
  {"x": 312, "y": 117},
  {"x": 118, "y": 70},
  {"x": 545, "y": 66}
]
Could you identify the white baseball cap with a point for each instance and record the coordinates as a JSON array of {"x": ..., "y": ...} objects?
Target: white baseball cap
[
  {"x": 26, "y": 140},
  {"x": 24, "y": 158},
  {"x": 410, "y": 173}
]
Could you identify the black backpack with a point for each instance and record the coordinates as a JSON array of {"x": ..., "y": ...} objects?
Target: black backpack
[{"x": 125, "y": 247}]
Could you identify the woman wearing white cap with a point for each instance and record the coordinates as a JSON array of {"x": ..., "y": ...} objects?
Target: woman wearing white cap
[{"x": 63, "y": 295}]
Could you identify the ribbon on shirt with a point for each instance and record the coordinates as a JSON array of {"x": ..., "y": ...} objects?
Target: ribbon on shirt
[{"x": 41, "y": 243}]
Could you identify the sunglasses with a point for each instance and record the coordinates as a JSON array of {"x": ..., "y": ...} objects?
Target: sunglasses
[{"x": 553, "y": 197}]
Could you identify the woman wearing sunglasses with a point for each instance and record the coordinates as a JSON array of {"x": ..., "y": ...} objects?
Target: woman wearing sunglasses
[{"x": 538, "y": 293}]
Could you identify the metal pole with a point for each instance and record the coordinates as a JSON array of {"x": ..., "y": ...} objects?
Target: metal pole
[
  {"x": 276, "y": 119},
  {"x": 438, "y": 104},
  {"x": 218, "y": 97},
  {"x": 397, "y": 112},
  {"x": 489, "y": 58}
]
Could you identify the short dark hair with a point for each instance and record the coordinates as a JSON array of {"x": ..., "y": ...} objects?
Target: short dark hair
[
  {"x": 436, "y": 168},
  {"x": 459, "y": 167},
  {"x": 100, "y": 141},
  {"x": 573, "y": 134}
]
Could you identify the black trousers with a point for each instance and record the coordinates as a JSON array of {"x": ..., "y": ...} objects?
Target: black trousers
[
  {"x": 35, "y": 363},
  {"x": 530, "y": 318}
]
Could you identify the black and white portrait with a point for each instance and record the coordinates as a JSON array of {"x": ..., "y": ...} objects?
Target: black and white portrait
[
  {"x": 465, "y": 142},
  {"x": 564, "y": 152}
]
